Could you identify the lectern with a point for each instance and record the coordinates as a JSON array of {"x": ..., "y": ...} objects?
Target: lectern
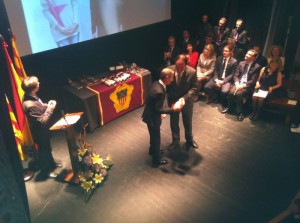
[{"x": 72, "y": 128}]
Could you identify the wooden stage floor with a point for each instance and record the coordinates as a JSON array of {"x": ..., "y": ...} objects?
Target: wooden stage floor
[{"x": 242, "y": 172}]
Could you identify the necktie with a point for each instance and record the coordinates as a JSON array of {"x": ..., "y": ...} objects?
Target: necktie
[
  {"x": 223, "y": 68},
  {"x": 244, "y": 76},
  {"x": 178, "y": 78}
]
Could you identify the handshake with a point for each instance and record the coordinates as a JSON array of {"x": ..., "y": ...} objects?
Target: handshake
[{"x": 179, "y": 104}]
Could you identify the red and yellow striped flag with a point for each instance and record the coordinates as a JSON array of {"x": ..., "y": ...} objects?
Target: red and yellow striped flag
[
  {"x": 17, "y": 99},
  {"x": 17, "y": 131},
  {"x": 18, "y": 62}
]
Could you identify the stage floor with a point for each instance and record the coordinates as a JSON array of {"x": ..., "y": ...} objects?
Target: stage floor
[{"x": 242, "y": 172}]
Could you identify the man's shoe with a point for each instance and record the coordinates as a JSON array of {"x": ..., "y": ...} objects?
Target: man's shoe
[
  {"x": 192, "y": 144},
  {"x": 253, "y": 117},
  {"x": 225, "y": 110},
  {"x": 240, "y": 117},
  {"x": 161, "y": 162},
  {"x": 59, "y": 165},
  {"x": 53, "y": 175},
  {"x": 294, "y": 125},
  {"x": 28, "y": 175},
  {"x": 173, "y": 146}
]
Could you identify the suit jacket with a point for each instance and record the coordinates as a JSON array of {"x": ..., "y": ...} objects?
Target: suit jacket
[
  {"x": 225, "y": 35},
  {"x": 175, "y": 52},
  {"x": 242, "y": 40},
  {"x": 252, "y": 74},
  {"x": 229, "y": 72},
  {"x": 187, "y": 87},
  {"x": 38, "y": 115},
  {"x": 155, "y": 105}
]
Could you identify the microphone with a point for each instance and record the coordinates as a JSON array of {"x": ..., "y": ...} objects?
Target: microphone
[{"x": 64, "y": 116}]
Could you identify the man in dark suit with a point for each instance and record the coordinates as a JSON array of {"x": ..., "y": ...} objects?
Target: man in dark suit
[
  {"x": 260, "y": 59},
  {"x": 223, "y": 76},
  {"x": 221, "y": 33},
  {"x": 153, "y": 112},
  {"x": 244, "y": 80},
  {"x": 240, "y": 35},
  {"x": 38, "y": 115},
  {"x": 183, "y": 89},
  {"x": 171, "y": 52}
]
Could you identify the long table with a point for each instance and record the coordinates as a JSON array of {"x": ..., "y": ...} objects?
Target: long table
[{"x": 101, "y": 103}]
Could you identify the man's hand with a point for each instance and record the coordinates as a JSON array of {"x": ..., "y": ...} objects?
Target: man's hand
[{"x": 52, "y": 104}]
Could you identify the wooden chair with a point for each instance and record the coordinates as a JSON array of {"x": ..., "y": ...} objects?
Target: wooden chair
[{"x": 287, "y": 102}]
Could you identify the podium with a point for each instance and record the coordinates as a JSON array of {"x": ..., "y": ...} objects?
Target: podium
[{"x": 72, "y": 128}]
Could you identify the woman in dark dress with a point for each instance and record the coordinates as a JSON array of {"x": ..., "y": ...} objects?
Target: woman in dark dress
[{"x": 270, "y": 79}]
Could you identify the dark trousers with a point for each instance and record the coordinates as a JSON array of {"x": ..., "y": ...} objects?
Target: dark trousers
[
  {"x": 45, "y": 157},
  {"x": 154, "y": 132},
  {"x": 187, "y": 114},
  {"x": 212, "y": 91},
  {"x": 236, "y": 100}
]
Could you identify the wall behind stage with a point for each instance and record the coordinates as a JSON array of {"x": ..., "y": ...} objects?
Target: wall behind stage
[{"x": 144, "y": 45}]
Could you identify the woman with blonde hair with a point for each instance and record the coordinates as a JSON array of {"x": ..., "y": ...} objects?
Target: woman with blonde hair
[
  {"x": 276, "y": 54},
  {"x": 270, "y": 79},
  {"x": 206, "y": 65}
]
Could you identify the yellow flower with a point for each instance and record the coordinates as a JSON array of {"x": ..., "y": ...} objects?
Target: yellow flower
[
  {"x": 82, "y": 178},
  {"x": 97, "y": 159},
  {"x": 81, "y": 152},
  {"x": 87, "y": 185},
  {"x": 98, "y": 178}
]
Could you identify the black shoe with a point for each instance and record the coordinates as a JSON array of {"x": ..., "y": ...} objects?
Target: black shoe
[
  {"x": 58, "y": 165},
  {"x": 240, "y": 117},
  {"x": 161, "y": 162},
  {"x": 53, "y": 175},
  {"x": 253, "y": 117},
  {"x": 294, "y": 125},
  {"x": 225, "y": 110},
  {"x": 192, "y": 144},
  {"x": 173, "y": 146}
]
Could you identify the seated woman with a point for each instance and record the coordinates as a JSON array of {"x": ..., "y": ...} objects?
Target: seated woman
[
  {"x": 276, "y": 54},
  {"x": 192, "y": 55},
  {"x": 270, "y": 79},
  {"x": 206, "y": 65}
]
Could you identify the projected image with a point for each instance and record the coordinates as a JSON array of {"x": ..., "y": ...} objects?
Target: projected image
[{"x": 49, "y": 24}]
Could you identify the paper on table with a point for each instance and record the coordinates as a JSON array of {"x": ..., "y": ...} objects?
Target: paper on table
[
  {"x": 292, "y": 102},
  {"x": 261, "y": 94}
]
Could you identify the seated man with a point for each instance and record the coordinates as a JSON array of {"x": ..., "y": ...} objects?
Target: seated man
[
  {"x": 171, "y": 52},
  {"x": 244, "y": 80},
  {"x": 223, "y": 75}
]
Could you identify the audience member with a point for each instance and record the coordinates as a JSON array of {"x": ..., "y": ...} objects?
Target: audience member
[
  {"x": 240, "y": 35},
  {"x": 205, "y": 66},
  {"x": 186, "y": 38},
  {"x": 153, "y": 111},
  {"x": 171, "y": 51},
  {"x": 269, "y": 80},
  {"x": 182, "y": 89},
  {"x": 39, "y": 115},
  {"x": 276, "y": 54},
  {"x": 192, "y": 55},
  {"x": 221, "y": 34},
  {"x": 260, "y": 59},
  {"x": 223, "y": 76},
  {"x": 204, "y": 29},
  {"x": 244, "y": 80},
  {"x": 209, "y": 39},
  {"x": 237, "y": 53}
]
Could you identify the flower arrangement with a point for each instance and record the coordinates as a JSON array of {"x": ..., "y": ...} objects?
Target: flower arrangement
[{"x": 93, "y": 169}]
